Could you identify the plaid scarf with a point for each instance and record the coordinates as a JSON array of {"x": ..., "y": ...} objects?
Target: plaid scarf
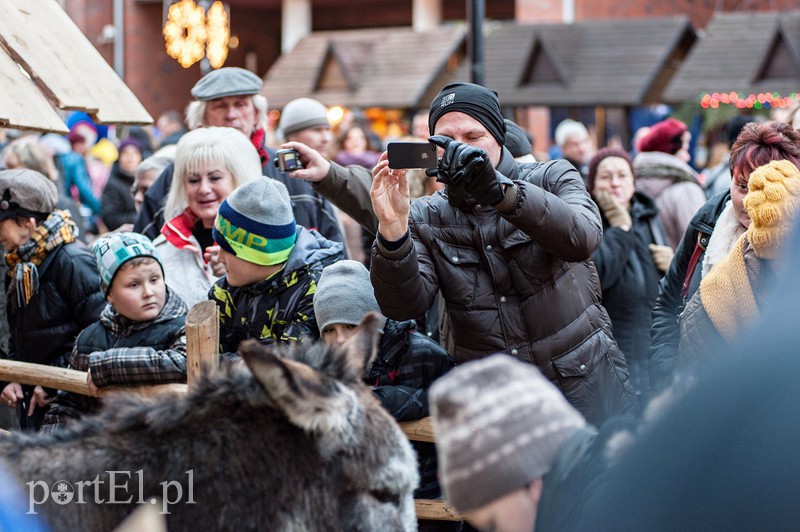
[{"x": 56, "y": 230}]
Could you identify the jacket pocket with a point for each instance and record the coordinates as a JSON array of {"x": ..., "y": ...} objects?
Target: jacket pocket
[
  {"x": 594, "y": 378},
  {"x": 458, "y": 267}
]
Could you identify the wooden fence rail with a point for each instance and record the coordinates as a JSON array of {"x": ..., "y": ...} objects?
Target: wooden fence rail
[{"x": 202, "y": 341}]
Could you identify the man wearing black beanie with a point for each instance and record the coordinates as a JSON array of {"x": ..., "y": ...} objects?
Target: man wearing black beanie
[{"x": 509, "y": 246}]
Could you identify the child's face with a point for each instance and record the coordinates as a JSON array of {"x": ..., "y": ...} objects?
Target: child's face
[
  {"x": 16, "y": 231},
  {"x": 138, "y": 292},
  {"x": 242, "y": 273},
  {"x": 337, "y": 334}
]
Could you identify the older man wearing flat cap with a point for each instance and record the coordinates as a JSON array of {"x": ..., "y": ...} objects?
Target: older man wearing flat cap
[{"x": 229, "y": 97}]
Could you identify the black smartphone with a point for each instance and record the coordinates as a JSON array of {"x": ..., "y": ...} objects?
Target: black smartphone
[{"x": 411, "y": 154}]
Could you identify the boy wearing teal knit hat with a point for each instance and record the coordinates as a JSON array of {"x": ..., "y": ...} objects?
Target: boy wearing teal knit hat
[{"x": 272, "y": 264}]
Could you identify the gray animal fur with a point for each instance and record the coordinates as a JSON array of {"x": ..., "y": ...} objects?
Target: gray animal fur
[{"x": 290, "y": 441}]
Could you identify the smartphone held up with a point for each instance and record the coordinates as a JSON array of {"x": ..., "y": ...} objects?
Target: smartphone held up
[{"x": 411, "y": 155}]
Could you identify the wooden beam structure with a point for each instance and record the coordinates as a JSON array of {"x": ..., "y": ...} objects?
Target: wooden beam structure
[{"x": 66, "y": 72}]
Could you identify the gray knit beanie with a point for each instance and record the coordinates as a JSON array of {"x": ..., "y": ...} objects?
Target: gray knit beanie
[
  {"x": 499, "y": 425},
  {"x": 300, "y": 114},
  {"x": 256, "y": 223},
  {"x": 344, "y": 294}
]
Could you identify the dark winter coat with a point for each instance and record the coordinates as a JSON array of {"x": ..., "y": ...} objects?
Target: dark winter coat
[
  {"x": 123, "y": 352},
  {"x": 629, "y": 280},
  {"x": 408, "y": 362},
  {"x": 311, "y": 210},
  {"x": 117, "y": 206},
  {"x": 281, "y": 308},
  {"x": 69, "y": 299},
  {"x": 521, "y": 283},
  {"x": 665, "y": 334}
]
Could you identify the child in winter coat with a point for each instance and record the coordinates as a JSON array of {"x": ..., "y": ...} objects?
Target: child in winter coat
[
  {"x": 52, "y": 284},
  {"x": 140, "y": 337},
  {"x": 408, "y": 362},
  {"x": 272, "y": 267}
]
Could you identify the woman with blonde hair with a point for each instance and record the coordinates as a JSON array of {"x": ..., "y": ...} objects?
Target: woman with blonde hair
[{"x": 209, "y": 164}]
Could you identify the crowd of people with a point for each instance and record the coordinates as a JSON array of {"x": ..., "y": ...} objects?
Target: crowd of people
[{"x": 551, "y": 307}]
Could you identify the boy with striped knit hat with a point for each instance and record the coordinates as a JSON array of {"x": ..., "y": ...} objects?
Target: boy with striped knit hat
[{"x": 272, "y": 264}]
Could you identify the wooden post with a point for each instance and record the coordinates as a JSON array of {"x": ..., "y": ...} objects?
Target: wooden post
[{"x": 202, "y": 340}]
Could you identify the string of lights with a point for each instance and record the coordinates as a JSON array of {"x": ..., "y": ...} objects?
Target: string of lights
[{"x": 762, "y": 100}]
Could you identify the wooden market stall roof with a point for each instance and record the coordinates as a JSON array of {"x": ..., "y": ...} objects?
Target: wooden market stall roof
[
  {"x": 47, "y": 64},
  {"x": 589, "y": 63},
  {"x": 382, "y": 67},
  {"x": 742, "y": 52}
]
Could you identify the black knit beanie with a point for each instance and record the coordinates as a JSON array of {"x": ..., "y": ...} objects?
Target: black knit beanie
[{"x": 480, "y": 103}]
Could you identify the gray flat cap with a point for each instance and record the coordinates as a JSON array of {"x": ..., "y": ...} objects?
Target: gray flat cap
[
  {"x": 227, "y": 81},
  {"x": 26, "y": 193}
]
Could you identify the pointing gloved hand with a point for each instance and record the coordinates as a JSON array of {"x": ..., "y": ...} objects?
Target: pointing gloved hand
[
  {"x": 616, "y": 214},
  {"x": 662, "y": 256},
  {"x": 472, "y": 165}
]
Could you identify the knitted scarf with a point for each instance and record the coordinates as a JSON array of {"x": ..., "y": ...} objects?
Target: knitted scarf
[
  {"x": 22, "y": 263},
  {"x": 727, "y": 293}
]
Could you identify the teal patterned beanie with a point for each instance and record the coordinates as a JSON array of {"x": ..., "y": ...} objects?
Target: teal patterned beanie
[{"x": 115, "y": 249}]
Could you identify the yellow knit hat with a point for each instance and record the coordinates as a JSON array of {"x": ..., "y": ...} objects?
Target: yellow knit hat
[{"x": 772, "y": 203}]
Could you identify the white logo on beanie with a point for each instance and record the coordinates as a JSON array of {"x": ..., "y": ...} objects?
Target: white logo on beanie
[{"x": 447, "y": 99}]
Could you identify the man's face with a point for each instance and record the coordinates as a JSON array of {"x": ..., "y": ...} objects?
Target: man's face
[
  {"x": 232, "y": 111},
  {"x": 463, "y": 128},
  {"x": 577, "y": 148},
  {"x": 317, "y": 138}
]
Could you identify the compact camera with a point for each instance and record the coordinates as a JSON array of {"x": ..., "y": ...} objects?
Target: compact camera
[{"x": 288, "y": 160}]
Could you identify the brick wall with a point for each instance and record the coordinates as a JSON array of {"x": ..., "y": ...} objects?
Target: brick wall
[{"x": 699, "y": 11}]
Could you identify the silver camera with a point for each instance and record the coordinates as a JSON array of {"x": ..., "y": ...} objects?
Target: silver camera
[{"x": 288, "y": 160}]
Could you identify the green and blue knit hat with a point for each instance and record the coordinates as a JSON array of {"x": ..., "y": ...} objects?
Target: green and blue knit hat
[
  {"x": 256, "y": 223},
  {"x": 115, "y": 249}
]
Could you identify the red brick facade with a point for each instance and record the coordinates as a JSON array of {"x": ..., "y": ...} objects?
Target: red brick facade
[{"x": 161, "y": 84}]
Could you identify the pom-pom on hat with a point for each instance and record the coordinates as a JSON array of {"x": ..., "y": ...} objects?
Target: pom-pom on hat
[
  {"x": 665, "y": 136},
  {"x": 256, "y": 223},
  {"x": 115, "y": 249},
  {"x": 772, "y": 203},
  {"x": 26, "y": 193},
  {"x": 499, "y": 425},
  {"x": 300, "y": 114},
  {"x": 344, "y": 294},
  {"x": 226, "y": 81}
]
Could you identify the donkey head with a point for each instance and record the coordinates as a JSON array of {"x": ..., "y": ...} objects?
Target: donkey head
[{"x": 320, "y": 390}]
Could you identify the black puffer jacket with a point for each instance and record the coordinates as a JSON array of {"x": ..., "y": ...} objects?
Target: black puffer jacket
[
  {"x": 629, "y": 280},
  {"x": 665, "y": 334},
  {"x": 521, "y": 283},
  {"x": 69, "y": 299}
]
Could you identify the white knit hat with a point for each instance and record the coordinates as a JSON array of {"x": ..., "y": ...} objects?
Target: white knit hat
[
  {"x": 499, "y": 425},
  {"x": 300, "y": 114}
]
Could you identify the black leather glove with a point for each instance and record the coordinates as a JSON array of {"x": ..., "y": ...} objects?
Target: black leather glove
[{"x": 472, "y": 165}]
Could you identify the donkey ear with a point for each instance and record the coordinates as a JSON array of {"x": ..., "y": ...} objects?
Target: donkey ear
[
  {"x": 310, "y": 399},
  {"x": 362, "y": 347}
]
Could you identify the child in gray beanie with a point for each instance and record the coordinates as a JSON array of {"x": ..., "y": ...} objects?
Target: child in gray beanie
[
  {"x": 407, "y": 364},
  {"x": 513, "y": 453}
]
